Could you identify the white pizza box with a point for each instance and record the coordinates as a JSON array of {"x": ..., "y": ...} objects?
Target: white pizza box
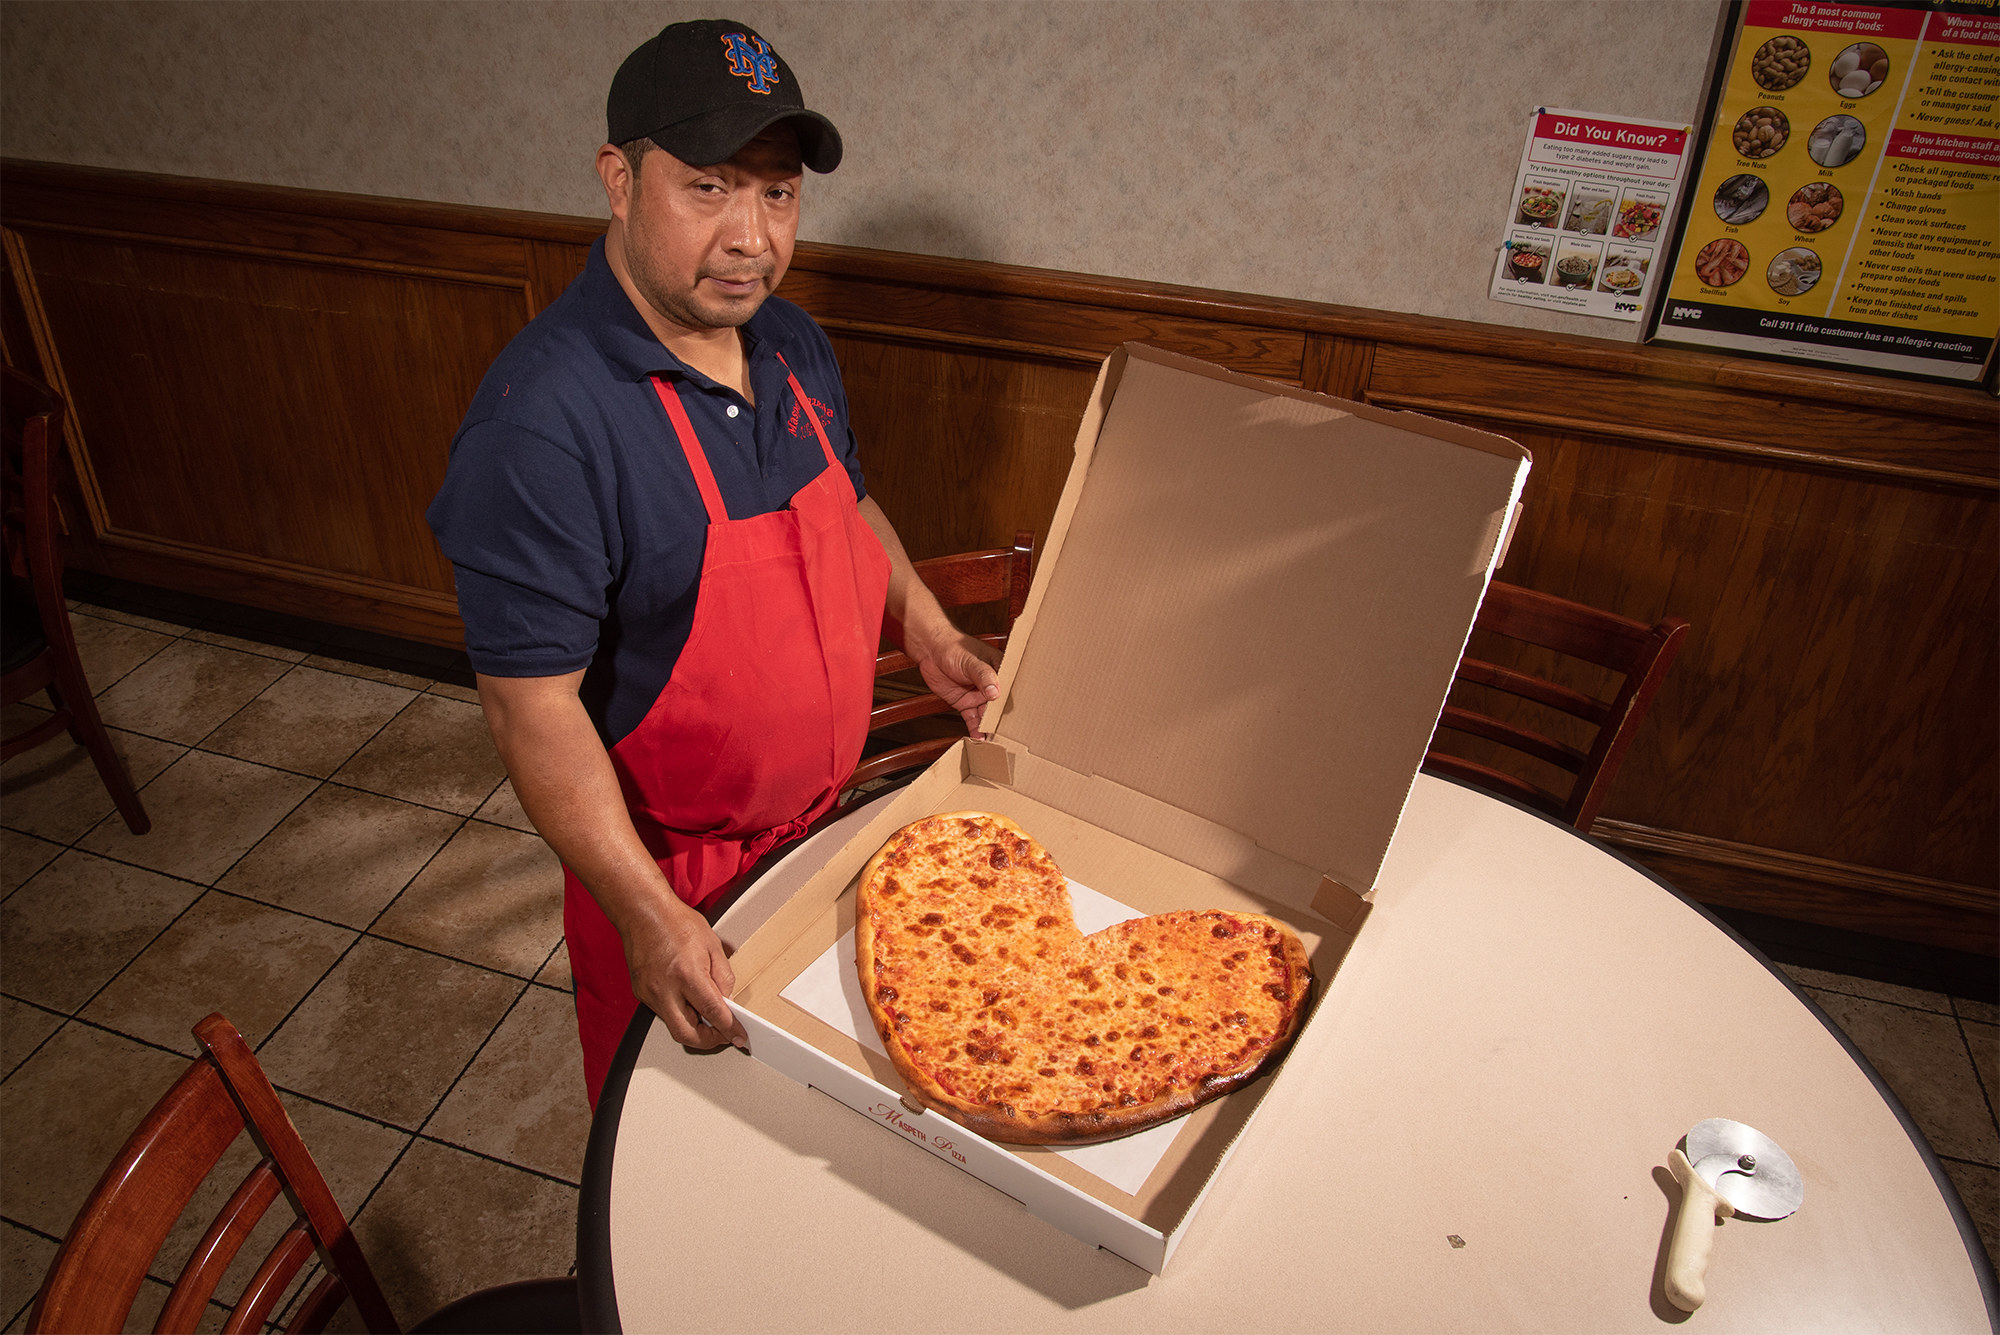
[{"x": 1241, "y": 632}]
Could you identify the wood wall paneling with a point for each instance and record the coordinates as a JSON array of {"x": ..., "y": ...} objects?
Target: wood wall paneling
[{"x": 265, "y": 383}]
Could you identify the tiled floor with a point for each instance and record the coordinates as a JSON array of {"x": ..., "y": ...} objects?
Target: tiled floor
[{"x": 338, "y": 865}]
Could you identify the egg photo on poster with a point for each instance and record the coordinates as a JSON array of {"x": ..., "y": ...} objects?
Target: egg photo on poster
[
  {"x": 1858, "y": 70},
  {"x": 1837, "y": 141}
]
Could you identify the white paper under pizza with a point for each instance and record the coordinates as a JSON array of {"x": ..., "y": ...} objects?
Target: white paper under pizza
[{"x": 830, "y": 991}]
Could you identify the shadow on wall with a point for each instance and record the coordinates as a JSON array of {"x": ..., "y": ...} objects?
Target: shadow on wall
[{"x": 920, "y": 227}]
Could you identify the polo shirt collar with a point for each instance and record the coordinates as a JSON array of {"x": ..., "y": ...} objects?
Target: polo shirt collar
[{"x": 627, "y": 345}]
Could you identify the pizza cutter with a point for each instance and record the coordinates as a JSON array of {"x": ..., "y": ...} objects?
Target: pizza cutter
[{"x": 1728, "y": 1169}]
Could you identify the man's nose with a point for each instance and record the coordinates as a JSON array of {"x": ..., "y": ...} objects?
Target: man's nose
[{"x": 747, "y": 229}]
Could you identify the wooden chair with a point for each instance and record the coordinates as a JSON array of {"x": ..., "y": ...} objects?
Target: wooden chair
[
  {"x": 37, "y": 646},
  {"x": 999, "y": 575},
  {"x": 1641, "y": 655},
  {"x": 97, "y": 1273}
]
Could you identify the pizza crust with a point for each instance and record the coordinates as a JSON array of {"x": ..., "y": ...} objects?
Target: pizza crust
[{"x": 999, "y": 1014}]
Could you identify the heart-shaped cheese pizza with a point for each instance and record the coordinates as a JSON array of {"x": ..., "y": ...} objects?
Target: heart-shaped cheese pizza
[{"x": 999, "y": 1013}]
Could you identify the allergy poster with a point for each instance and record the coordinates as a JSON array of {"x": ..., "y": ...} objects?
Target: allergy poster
[
  {"x": 1587, "y": 226},
  {"x": 1847, "y": 204}
]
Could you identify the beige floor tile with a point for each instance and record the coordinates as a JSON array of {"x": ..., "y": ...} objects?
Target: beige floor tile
[
  {"x": 523, "y": 1099},
  {"x": 183, "y": 692},
  {"x": 207, "y": 812},
  {"x": 1979, "y": 1187},
  {"x": 258, "y": 647},
  {"x": 1923, "y": 1058},
  {"x": 130, "y": 619},
  {"x": 492, "y": 896},
  {"x": 21, "y": 856},
  {"x": 1848, "y": 985},
  {"x": 24, "y": 1259},
  {"x": 22, "y": 1029},
  {"x": 342, "y": 854},
  {"x": 308, "y": 720},
  {"x": 453, "y": 691},
  {"x": 1984, "y": 1040},
  {"x": 55, "y": 792},
  {"x": 503, "y": 808},
  {"x": 1984, "y": 1011},
  {"x": 110, "y": 649},
  {"x": 436, "y": 752},
  {"x": 326, "y": 664},
  {"x": 69, "y": 931},
  {"x": 556, "y": 972},
  {"x": 388, "y": 1031},
  {"x": 447, "y": 1224},
  {"x": 249, "y": 961},
  {"x": 83, "y": 1094}
]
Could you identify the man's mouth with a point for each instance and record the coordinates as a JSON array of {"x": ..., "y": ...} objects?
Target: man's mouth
[{"x": 737, "y": 285}]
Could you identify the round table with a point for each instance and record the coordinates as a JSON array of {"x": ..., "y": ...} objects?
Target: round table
[{"x": 1471, "y": 1135}]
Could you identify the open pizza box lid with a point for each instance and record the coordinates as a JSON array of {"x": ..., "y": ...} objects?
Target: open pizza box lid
[{"x": 1242, "y": 628}]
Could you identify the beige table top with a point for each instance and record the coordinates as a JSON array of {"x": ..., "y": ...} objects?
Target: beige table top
[{"x": 1524, "y": 1029}]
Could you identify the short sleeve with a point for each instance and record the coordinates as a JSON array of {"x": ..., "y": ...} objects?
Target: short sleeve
[{"x": 519, "y": 519}]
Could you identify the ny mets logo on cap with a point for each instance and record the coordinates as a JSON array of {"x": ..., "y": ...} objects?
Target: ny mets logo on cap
[{"x": 750, "y": 59}]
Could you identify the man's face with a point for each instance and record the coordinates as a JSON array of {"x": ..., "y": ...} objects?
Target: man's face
[{"x": 705, "y": 245}]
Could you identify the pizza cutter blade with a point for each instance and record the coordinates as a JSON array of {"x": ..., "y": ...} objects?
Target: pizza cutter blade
[{"x": 1727, "y": 1169}]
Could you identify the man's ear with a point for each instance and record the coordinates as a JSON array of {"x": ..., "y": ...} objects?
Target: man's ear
[{"x": 616, "y": 174}]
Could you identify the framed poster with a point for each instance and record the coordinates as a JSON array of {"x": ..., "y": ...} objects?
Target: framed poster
[{"x": 1846, "y": 208}]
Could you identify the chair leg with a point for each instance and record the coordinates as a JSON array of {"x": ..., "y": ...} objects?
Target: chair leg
[{"x": 70, "y": 690}]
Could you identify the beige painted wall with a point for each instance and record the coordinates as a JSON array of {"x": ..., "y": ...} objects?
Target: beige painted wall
[{"x": 1352, "y": 151}]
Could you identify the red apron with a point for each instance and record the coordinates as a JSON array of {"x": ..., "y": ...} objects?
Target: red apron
[{"x": 762, "y": 719}]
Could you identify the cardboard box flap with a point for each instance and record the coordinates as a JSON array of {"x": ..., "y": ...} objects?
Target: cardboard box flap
[{"x": 1260, "y": 600}]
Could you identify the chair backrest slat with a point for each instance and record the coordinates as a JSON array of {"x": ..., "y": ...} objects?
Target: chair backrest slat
[
  {"x": 260, "y": 1296},
  {"x": 1640, "y": 654},
  {"x": 218, "y": 1247}
]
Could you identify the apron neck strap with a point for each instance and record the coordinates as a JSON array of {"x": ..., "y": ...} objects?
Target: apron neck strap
[
  {"x": 806, "y": 407},
  {"x": 704, "y": 476}
]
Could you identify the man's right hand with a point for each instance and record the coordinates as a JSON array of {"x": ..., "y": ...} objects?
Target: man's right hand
[{"x": 680, "y": 970}]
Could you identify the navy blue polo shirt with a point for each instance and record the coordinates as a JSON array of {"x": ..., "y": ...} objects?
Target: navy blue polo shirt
[{"x": 570, "y": 516}]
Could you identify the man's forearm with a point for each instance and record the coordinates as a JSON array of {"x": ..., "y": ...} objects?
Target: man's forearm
[{"x": 564, "y": 780}]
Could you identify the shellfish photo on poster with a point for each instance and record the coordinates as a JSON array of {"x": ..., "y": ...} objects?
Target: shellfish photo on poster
[
  {"x": 1588, "y": 220},
  {"x": 1846, "y": 206}
]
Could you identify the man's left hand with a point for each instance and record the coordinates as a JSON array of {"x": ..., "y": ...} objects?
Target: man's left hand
[{"x": 959, "y": 671}]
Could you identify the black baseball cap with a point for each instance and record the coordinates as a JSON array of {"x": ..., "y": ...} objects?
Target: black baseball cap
[{"x": 702, "y": 90}]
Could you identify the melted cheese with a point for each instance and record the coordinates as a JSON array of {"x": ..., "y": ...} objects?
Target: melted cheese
[{"x": 984, "y": 980}]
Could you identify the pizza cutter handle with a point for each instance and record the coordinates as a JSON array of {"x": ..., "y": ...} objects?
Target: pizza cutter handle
[{"x": 1694, "y": 1235}]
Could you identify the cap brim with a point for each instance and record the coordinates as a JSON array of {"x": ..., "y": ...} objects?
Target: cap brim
[{"x": 717, "y": 136}]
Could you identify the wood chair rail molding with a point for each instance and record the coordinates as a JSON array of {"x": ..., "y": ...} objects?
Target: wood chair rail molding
[{"x": 263, "y": 382}]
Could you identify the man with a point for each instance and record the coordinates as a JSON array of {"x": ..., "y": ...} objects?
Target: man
[{"x": 672, "y": 581}]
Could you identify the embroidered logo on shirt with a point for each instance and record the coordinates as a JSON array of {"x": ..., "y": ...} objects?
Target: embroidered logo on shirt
[
  {"x": 799, "y": 426},
  {"x": 750, "y": 59}
]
